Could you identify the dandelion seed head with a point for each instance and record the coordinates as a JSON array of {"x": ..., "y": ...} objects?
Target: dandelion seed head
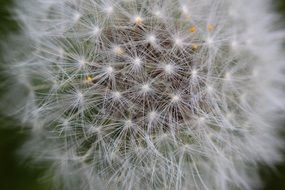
[{"x": 149, "y": 94}]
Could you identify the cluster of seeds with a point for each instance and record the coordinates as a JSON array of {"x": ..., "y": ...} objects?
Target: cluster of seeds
[{"x": 142, "y": 94}]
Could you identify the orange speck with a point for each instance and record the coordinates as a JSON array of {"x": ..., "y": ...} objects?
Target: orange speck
[
  {"x": 195, "y": 46},
  {"x": 138, "y": 20},
  {"x": 192, "y": 29},
  {"x": 211, "y": 27},
  {"x": 89, "y": 79}
]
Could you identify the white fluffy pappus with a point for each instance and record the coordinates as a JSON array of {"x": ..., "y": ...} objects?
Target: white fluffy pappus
[{"x": 151, "y": 94}]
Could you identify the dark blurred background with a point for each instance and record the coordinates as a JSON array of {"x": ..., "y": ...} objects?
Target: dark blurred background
[{"x": 15, "y": 174}]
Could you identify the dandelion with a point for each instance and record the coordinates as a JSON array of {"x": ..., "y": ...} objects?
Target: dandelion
[{"x": 150, "y": 94}]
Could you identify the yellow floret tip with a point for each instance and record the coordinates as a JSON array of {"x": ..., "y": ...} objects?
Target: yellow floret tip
[
  {"x": 210, "y": 27},
  {"x": 89, "y": 79},
  {"x": 195, "y": 46},
  {"x": 138, "y": 20},
  {"x": 119, "y": 51},
  {"x": 192, "y": 29}
]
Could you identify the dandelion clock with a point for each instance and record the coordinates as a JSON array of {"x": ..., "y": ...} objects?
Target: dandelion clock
[{"x": 149, "y": 94}]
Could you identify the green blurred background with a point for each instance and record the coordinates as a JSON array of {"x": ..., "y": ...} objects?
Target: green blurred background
[{"x": 15, "y": 174}]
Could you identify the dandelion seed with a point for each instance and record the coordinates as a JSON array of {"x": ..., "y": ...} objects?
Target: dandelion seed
[
  {"x": 175, "y": 98},
  {"x": 158, "y": 14},
  {"x": 234, "y": 44},
  {"x": 116, "y": 95},
  {"x": 137, "y": 61},
  {"x": 210, "y": 41},
  {"x": 118, "y": 50},
  {"x": 194, "y": 73},
  {"x": 178, "y": 42},
  {"x": 109, "y": 70},
  {"x": 109, "y": 10},
  {"x": 96, "y": 30},
  {"x": 145, "y": 88},
  {"x": 228, "y": 76},
  {"x": 169, "y": 69},
  {"x": 76, "y": 17},
  {"x": 151, "y": 38},
  {"x": 152, "y": 115},
  {"x": 128, "y": 123}
]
